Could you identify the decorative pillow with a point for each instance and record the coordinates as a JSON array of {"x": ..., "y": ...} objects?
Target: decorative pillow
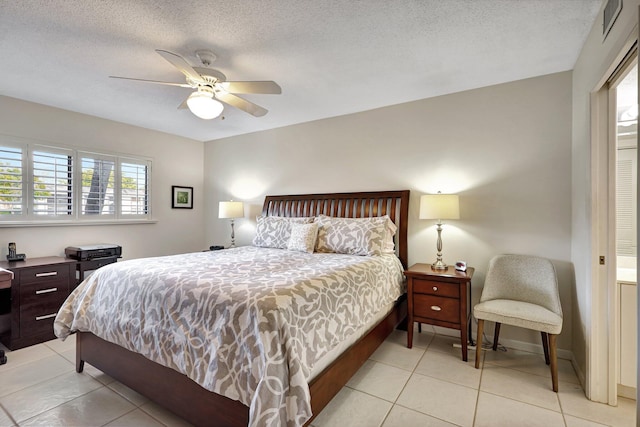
[
  {"x": 303, "y": 237},
  {"x": 354, "y": 236},
  {"x": 388, "y": 247},
  {"x": 275, "y": 231}
]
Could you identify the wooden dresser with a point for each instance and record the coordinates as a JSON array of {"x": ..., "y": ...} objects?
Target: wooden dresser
[{"x": 38, "y": 289}]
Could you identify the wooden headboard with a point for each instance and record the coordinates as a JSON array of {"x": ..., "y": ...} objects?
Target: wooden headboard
[{"x": 348, "y": 205}]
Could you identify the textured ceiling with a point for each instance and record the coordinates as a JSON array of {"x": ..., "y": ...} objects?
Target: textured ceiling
[{"x": 331, "y": 57}]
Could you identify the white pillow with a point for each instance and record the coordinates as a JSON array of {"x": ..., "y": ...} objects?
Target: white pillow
[
  {"x": 303, "y": 237},
  {"x": 354, "y": 236},
  {"x": 275, "y": 231}
]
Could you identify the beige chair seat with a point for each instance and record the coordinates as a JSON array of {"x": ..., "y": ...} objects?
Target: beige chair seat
[{"x": 520, "y": 314}]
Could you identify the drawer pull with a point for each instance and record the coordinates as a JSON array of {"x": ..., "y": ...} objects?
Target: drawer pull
[
  {"x": 51, "y": 273},
  {"x": 435, "y": 288},
  {"x": 46, "y": 316},
  {"x": 46, "y": 291},
  {"x": 436, "y": 308}
]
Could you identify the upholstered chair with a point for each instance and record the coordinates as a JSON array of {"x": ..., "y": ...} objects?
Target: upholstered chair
[{"x": 522, "y": 291}]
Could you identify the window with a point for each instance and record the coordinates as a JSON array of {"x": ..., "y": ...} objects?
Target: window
[{"x": 43, "y": 183}]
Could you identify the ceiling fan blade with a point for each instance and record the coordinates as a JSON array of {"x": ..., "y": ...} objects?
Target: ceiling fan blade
[
  {"x": 181, "y": 64},
  {"x": 242, "y": 104},
  {"x": 152, "y": 81},
  {"x": 267, "y": 87}
]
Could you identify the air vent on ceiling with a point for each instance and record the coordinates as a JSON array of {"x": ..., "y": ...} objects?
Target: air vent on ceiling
[{"x": 611, "y": 12}]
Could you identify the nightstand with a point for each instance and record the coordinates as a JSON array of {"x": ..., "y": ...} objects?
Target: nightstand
[{"x": 439, "y": 297}]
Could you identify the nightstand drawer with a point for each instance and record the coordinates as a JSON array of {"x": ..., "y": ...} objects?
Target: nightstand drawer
[
  {"x": 45, "y": 273},
  {"x": 432, "y": 287},
  {"x": 437, "y": 308}
]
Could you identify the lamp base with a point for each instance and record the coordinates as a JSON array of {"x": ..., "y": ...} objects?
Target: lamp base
[
  {"x": 233, "y": 236},
  {"x": 439, "y": 265}
]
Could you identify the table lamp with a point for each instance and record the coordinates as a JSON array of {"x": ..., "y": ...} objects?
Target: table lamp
[
  {"x": 439, "y": 206},
  {"x": 231, "y": 210}
]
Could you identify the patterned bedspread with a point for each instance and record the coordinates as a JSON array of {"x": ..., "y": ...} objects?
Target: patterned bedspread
[{"x": 248, "y": 323}]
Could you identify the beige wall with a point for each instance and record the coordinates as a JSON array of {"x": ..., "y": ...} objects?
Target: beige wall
[
  {"x": 176, "y": 161},
  {"x": 595, "y": 63},
  {"x": 505, "y": 149}
]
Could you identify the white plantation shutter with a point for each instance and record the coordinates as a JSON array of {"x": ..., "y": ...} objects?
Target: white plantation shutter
[
  {"x": 134, "y": 188},
  {"x": 52, "y": 182},
  {"x": 43, "y": 183}
]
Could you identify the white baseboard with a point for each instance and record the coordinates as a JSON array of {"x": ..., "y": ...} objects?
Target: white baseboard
[
  {"x": 514, "y": 344},
  {"x": 579, "y": 372},
  {"x": 469, "y": 347},
  {"x": 626, "y": 391}
]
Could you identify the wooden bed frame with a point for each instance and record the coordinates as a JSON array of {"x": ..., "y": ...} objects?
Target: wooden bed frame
[{"x": 187, "y": 399}]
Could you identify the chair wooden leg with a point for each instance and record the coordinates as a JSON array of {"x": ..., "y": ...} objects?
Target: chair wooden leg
[
  {"x": 545, "y": 346},
  {"x": 554, "y": 361},
  {"x": 419, "y": 327},
  {"x": 496, "y": 333},
  {"x": 479, "y": 342}
]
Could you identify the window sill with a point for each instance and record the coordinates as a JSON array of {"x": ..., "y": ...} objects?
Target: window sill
[{"x": 53, "y": 223}]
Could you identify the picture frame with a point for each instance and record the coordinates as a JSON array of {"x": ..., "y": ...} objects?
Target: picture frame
[{"x": 181, "y": 197}]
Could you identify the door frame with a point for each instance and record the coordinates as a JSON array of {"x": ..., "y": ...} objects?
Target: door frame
[{"x": 602, "y": 348}]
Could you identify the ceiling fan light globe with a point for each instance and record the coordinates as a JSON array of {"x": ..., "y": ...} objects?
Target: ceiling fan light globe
[{"x": 204, "y": 106}]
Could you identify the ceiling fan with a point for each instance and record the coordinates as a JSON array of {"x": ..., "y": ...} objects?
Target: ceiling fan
[{"x": 212, "y": 88}]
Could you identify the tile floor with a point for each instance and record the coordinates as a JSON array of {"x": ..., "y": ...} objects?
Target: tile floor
[{"x": 427, "y": 385}]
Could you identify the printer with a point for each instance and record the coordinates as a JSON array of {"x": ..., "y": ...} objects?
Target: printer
[{"x": 91, "y": 252}]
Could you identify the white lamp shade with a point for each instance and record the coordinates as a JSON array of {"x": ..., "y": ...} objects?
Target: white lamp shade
[
  {"x": 203, "y": 105},
  {"x": 439, "y": 206},
  {"x": 230, "y": 209}
]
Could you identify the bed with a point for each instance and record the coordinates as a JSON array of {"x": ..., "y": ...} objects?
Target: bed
[{"x": 166, "y": 385}]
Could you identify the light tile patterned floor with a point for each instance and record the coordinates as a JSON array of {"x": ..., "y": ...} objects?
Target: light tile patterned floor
[{"x": 428, "y": 385}]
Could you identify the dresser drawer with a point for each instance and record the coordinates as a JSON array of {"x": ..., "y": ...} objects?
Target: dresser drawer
[
  {"x": 40, "y": 293},
  {"x": 38, "y": 319},
  {"x": 432, "y": 287},
  {"x": 437, "y": 308},
  {"x": 44, "y": 273},
  {"x": 40, "y": 302}
]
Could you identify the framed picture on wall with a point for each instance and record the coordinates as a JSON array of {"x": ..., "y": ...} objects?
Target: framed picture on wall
[{"x": 181, "y": 197}]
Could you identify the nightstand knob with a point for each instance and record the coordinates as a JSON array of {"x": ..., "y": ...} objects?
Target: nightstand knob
[
  {"x": 435, "y": 288},
  {"x": 435, "y": 308}
]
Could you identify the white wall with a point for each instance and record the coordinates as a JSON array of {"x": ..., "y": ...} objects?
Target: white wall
[
  {"x": 592, "y": 68},
  {"x": 176, "y": 161},
  {"x": 505, "y": 149}
]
